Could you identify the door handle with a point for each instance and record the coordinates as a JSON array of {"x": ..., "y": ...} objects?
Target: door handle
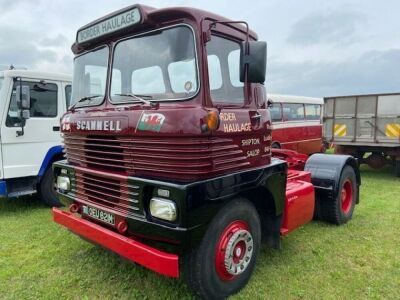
[
  {"x": 256, "y": 116},
  {"x": 56, "y": 128}
]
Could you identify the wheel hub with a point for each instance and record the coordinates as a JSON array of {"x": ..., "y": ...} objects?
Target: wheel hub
[
  {"x": 346, "y": 196},
  {"x": 234, "y": 251},
  {"x": 238, "y": 252}
]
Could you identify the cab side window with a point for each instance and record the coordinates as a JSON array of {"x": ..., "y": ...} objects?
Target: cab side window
[
  {"x": 68, "y": 91},
  {"x": 223, "y": 56},
  {"x": 43, "y": 102}
]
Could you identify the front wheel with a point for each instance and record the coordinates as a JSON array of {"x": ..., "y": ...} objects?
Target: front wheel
[
  {"x": 226, "y": 257},
  {"x": 47, "y": 189}
]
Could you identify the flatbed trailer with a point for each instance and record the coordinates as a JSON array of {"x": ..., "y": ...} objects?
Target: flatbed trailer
[
  {"x": 169, "y": 163},
  {"x": 366, "y": 127}
]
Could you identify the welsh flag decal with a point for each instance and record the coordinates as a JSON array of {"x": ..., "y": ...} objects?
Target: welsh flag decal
[{"x": 151, "y": 122}]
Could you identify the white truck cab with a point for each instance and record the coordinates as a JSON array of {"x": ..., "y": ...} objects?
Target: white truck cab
[{"x": 30, "y": 139}]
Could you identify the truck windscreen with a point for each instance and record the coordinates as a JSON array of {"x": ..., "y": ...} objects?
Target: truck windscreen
[
  {"x": 90, "y": 76},
  {"x": 159, "y": 65}
]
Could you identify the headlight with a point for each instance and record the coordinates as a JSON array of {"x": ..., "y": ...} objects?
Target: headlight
[
  {"x": 63, "y": 183},
  {"x": 163, "y": 209}
]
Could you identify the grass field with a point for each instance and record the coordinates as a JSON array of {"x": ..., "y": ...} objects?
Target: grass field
[{"x": 40, "y": 260}]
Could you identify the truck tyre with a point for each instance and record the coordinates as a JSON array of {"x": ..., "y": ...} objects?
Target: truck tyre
[
  {"x": 226, "y": 257},
  {"x": 47, "y": 189},
  {"x": 338, "y": 210},
  {"x": 397, "y": 168}
]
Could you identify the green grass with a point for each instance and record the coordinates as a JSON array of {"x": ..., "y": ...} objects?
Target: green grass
[{"x": 40, "y": 260}]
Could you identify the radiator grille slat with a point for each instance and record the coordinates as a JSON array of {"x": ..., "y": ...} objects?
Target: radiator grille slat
[
  {"x": 112, "y": 192},
  {"x": 179, "y": 158}
]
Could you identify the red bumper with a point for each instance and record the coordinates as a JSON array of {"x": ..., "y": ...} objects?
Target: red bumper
[{"x": 156, "y": 260}]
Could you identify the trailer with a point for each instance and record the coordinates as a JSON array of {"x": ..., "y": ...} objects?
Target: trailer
[
  {"x": 168, "y": 158},
  {"x": 31, "y": 105},
  {"x": 366, "y": 127}
]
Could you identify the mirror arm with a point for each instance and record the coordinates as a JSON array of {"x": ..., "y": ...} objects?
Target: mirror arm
[
  {"x": 20, "y": 132},
  {"x": 214, "y": 24}
]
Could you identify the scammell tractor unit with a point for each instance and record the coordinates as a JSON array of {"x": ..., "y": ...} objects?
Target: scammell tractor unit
[
  {"x": 31, "y": 105},
  {"x": 168, "y": 157}
]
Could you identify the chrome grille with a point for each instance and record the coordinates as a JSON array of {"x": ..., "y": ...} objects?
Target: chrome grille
[
  {"x": 112, "y": 192},
  {"x": 182, "y": 158}
]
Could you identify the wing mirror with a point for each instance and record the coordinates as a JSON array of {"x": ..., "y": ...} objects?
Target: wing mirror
[
  {"x": 253, "y": 55},
  {"x": 23, "y": 95}
]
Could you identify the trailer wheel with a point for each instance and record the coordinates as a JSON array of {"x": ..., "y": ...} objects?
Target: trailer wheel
[
  {"x": 226, "y": 257},
  {"x": 339, "y": 210},
  {"x": 397, "y": 168},
  {"x": 47, "y": 189}
]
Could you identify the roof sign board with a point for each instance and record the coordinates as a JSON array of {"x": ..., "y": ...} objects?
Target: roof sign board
[{"x": 112, "y": 24}]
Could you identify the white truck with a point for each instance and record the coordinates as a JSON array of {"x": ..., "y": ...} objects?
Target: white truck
[{"x": 31, "y": 105}]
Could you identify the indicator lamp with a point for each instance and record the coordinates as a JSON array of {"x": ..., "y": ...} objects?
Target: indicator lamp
[{"x": 211, "y": 121}]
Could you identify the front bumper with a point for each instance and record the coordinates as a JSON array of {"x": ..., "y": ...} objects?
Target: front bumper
[{"x": 156, "y": 260}]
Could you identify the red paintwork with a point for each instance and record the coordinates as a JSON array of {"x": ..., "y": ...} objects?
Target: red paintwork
[
  {"x": 122, "y": 226},
  {"x": 299, "y": 208},
  {"x": 306, "y": 139},
  {"x": 221, "y": 247},
  {"x": 346, "y": 196},
  {"x": 73, "y": 208},
  {"x": 295, "y": 160},
  {"x": 160, "y": 262},
  {"x": 181, "y": 150},
  {"x": 300, "y": 193}
]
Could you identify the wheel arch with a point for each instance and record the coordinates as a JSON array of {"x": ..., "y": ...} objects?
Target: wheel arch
[
  {"x": 268, "y": 207},
  {"x": 326, "y": 171},
  {"x": 53, "y": 154}
]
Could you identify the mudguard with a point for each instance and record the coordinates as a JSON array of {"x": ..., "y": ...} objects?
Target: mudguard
[
  {"x": 326, "y": 170},
  {"x": 52, "y": 154}
]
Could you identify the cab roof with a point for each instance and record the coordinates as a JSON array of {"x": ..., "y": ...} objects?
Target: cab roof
[
  {"x": 36, "y": 75},
  {"x": 152, "y": 17},
  {"x": 294, "y": 99}
]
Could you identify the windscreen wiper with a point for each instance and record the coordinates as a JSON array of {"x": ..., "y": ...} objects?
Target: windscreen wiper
[
  {"x": 139, "y": 98},
  {"x": 85, "y": 99}
]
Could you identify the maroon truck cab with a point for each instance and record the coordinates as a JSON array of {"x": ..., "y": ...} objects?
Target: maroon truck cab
[{"x": 168, "y": 149}]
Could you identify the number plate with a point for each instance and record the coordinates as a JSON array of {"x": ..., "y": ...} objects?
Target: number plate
[{"x": 98, "y": 214}]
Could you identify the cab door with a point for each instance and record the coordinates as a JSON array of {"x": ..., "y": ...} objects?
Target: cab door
[
  {"x": 24, "y": 154},
  {"x": 243, "y": 123}
]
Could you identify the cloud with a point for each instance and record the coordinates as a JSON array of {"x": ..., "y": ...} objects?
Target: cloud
[
  {"x": 22, "y": 6},
  {"x": 59, "y": 40},
  {"x": 335, "y": 27},
  {"x": 372, "y": 72},
  {"x": 20, "y": 47}
]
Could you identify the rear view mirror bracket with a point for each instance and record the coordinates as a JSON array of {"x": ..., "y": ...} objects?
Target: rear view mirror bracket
[{"x": 23, "y": 99}]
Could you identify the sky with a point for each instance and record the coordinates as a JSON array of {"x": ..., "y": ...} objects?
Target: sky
[{"x": 315, "y": 47}]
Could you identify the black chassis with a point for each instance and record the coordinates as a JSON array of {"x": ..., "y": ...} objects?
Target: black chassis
[{"x": 197, "y": 203}]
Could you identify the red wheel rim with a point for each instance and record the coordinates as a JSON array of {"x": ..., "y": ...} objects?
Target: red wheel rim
[
  {"x": 234, "y": 250},
  {"x": 347, "y": 196}
]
